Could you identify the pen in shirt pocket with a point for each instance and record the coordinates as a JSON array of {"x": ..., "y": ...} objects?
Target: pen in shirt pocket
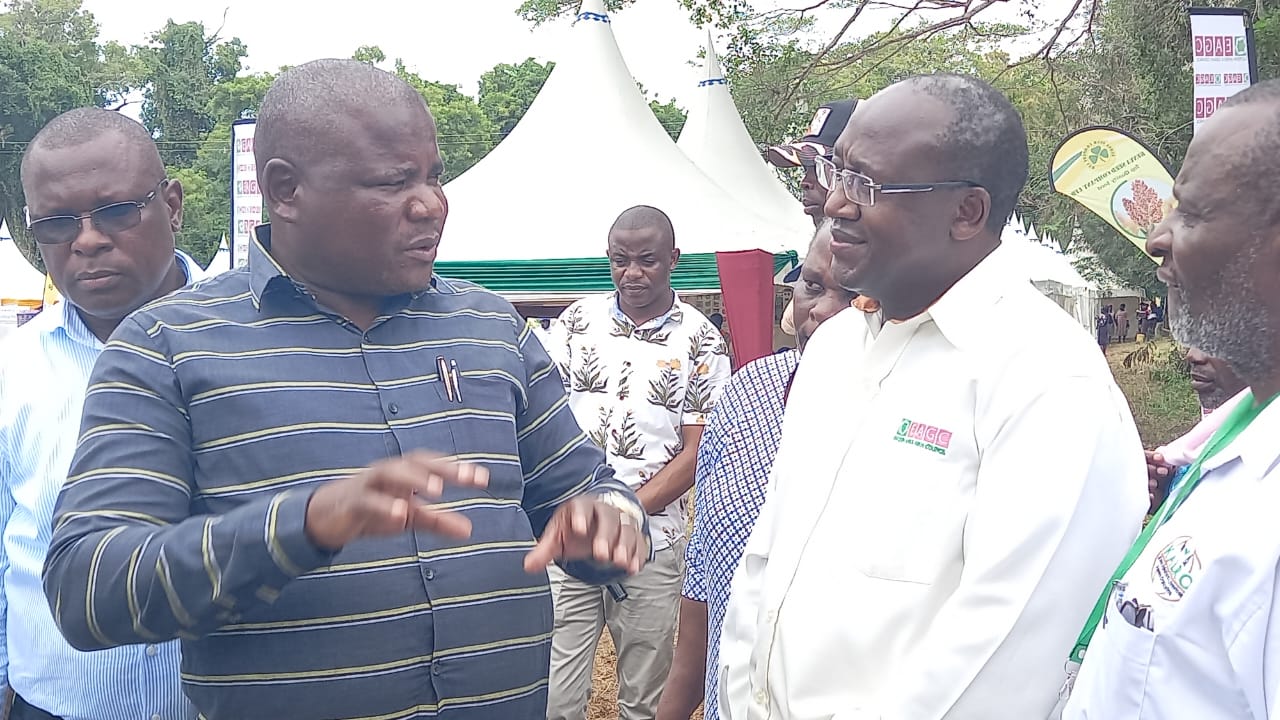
[{"x": 448, "y": 371}]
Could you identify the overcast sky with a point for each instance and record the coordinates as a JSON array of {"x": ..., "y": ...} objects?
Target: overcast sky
[{"x": 451, "y": 41}]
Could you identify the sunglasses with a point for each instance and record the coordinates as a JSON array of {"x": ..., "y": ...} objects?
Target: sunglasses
[{"x": 108, "y": 219}]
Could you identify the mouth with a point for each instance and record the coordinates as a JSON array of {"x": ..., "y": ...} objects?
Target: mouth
[
  {"x": 425, "y": 249},
  {"x": 841, "y": 237},
  {"x": 95, "y": 279},
  {"x": 812, "y": 208},
  {"x": 634, "y": 288},
  {"x": 1166, "y": 276}
]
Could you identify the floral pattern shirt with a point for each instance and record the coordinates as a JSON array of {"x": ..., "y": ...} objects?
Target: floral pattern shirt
[{"x": 633, "y": 388}]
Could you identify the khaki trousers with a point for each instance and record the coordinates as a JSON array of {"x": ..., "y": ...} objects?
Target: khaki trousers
[{"x": 643, "y": 629}]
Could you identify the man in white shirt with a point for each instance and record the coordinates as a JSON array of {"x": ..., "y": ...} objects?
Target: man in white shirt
[
  {"x": 643, "y": 370},
  {"x": 104, "y": 217},
  {"x": 947, "y": 497},
  {"x": 1192, "y": 627}
]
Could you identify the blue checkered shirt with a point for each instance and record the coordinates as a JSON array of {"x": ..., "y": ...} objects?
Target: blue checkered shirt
[{"x": 734, "y": 459}]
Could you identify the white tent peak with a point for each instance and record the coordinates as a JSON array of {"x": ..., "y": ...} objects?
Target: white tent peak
[
  {"x": 715, "y": 73},
  {"x": 717, "y": 141},
  {"x": 593, "y": 10},
  {"x": 588, "y": 148}
]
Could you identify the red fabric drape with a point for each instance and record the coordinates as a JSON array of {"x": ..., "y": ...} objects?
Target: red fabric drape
[{"x": 746, "y": 287}]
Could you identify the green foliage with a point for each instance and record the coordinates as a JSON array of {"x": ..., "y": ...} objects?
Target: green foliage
[
  {"x": 507, "y": 91},
  {"x": 207, "y": 195},
  {"x": 181, "y": 69}
]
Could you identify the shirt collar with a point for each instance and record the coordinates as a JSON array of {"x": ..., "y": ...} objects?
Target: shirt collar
[
  {"x": 66, "y": 319},
  {"x": 673, "y": 315},
  {"x": 1255, "y": 446},
  {"x": 962, "y": 311}
]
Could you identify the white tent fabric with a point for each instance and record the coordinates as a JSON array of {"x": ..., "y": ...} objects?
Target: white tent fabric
[
  {"x": 19, "y": 280},
  {"x": 717, "y": 141},
  {"x": 1052, "y": 273},
  {"x": 588, "y": 148},
  {"x": 221, "y": 261}
]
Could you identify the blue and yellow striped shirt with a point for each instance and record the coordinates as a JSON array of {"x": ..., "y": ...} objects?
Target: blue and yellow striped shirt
[{"x": 210, "y": 418}]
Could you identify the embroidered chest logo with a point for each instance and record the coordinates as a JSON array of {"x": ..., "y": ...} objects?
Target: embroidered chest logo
[
  {"x": 1175, "y": 569},
  {"x": 928, "y": 437}
]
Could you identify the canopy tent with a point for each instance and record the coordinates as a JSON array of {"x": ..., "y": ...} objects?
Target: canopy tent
[
  {"x": 588, "y": 148},
  {"x": 717, "y": 141},
  {"x": 1051, "y": 272},
  {"x": 221, "y": 261},
  {"x": 20, "y": 281}
]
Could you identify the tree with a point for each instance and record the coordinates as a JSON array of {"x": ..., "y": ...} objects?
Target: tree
[
  {"x": 50, "y": 62},
  {"x": 183, "y": 66},
  {"x": 670, "y": 115},
  {"x": 207, "y": 195},
  {"x": 507, "y": 91}
]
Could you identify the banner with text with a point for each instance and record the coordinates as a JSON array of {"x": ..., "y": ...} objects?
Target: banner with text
[
  {"x": 1222, "y": 57},
  {"x": 246, "y": 200},
  {"x": 1115, "y": 176}
]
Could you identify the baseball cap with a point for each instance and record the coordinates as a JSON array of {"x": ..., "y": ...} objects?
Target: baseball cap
[{"x": 827, "y": 124}]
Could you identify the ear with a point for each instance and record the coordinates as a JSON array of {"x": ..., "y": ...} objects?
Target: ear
[
  {"x": 280, "y": 182},
  {"x": 675, "y": 258},
  {"x": 173, "y": 195},
  {"x": 971, "y": 214}
]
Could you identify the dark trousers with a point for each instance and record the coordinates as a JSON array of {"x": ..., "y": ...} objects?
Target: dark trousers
[{"x": 21, "y": 710}]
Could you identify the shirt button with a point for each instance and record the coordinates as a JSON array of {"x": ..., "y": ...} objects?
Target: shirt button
[
  {"x": 394, "y": 409},
  {"x": 773, "y": 617},
  {"x": 435, "y": 668},
  {"x": 762, "y": 698},
  {"x": 156, "y": 717},
  {"x": 152, "y": 650},
  {"x": 430, "y": 574}
]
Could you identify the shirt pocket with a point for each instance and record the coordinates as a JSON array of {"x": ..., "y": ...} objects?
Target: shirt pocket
[
  {"x": 908, "y": 514},
  {"x": 483, "y": 429},
  {"x": 1124, "y": 655}
]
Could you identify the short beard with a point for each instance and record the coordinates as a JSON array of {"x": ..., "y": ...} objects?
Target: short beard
[{"x": 1232, "y": 322}]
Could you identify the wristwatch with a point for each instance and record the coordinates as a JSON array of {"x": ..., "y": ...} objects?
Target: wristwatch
[{"x": 631, "y": 511}]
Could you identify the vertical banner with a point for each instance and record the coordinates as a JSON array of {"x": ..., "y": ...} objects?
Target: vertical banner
[
  {"x": 246, "y": 200},
  {"x": 1115, "y": 176},
  {"x": 1223, "y": 57},
  {"x": 746, "y": 287}
]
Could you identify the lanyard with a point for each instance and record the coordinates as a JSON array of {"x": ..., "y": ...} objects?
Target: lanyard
[{"x": 1235, "y": 423}]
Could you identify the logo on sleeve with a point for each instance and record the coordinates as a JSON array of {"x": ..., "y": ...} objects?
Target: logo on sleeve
[
  {"x": 928, "y": 437},
  {"x": 1175, "y": 569}
]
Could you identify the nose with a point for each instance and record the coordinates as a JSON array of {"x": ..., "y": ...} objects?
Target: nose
[
  {"x": 1160, "y": 241},
  {"x": 429, "y": 204},
  {"x": 839, "y": 206},
  {"x": 91, "y": 240}
]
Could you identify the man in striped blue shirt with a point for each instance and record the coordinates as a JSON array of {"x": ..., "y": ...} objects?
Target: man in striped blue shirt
[
  {"x": 104, "y": 219},
  {"x": 260, "y": 471}
]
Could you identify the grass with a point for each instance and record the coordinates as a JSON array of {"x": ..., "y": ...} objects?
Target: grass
[{"x": 1152, "y": 376}]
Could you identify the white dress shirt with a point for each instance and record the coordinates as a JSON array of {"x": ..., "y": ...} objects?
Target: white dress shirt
[
  {"x": 1209, "y": 576},
  {"x": 948, "y": 499},
  {"x": 44, "y": 374}
]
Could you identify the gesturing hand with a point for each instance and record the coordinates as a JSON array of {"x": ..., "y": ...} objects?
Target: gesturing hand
[
  {"x": 588, "y": 528},
  {"x": 390, "y": 497}
]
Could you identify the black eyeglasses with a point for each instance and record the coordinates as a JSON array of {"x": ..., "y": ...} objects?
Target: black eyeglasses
[
  {"x": 113, "y": 218},
  {"x": 862, "y": 190}
]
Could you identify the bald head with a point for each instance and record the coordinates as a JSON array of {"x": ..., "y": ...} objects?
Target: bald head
[
  {"x": 83, "y": 125},
  {"x": 985, "y": 141},
  {"x": 304, "y": 116},
  {"x": 645, "y": 217}
]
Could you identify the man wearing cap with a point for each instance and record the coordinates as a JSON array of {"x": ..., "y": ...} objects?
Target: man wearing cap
[{"x": 827, "y": 124}]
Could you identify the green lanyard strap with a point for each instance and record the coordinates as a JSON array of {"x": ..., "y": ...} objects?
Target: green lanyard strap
[{"x": 1241, "y": 415}]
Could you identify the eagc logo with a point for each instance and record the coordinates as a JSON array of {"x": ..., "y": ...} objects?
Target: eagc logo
[
  {"x": 1175, "y": 569},
  {"x": 933, "y": 439},
  {"x": 1207, "y": 46}
]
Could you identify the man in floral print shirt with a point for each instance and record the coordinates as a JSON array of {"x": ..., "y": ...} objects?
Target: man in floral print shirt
[{"x": 643, "y": 370}]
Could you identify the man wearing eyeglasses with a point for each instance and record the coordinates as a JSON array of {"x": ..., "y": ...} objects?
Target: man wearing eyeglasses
[
  {"x": 104, "y": 218},
  {"x": 828, "y": 121},
  {"x": 934, "y": 553}
]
